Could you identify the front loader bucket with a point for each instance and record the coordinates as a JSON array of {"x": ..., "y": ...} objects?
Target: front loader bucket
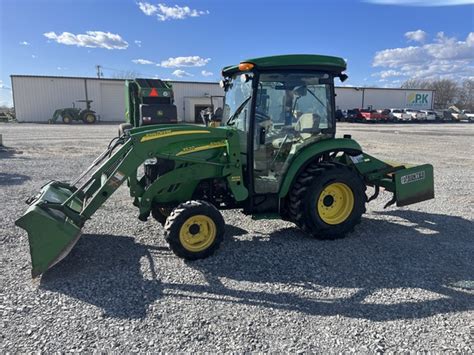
[{"x": 53, "y": 228}]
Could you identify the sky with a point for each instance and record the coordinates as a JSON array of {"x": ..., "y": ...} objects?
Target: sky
[{"x": 384, "y": 42}]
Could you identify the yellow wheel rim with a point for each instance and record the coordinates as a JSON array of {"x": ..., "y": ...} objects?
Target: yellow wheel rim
[
  {"x": 90, "y": 118},
  {"x": 197, "y": 233},
  {"x": 335, "y": 203},
  {"x": 66, "y": 119}
]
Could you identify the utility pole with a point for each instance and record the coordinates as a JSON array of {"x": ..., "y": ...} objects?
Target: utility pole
[{"x": 99, "y": 73}]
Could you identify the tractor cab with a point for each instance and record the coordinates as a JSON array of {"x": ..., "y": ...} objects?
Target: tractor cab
[{"x": 279, "y": 105}]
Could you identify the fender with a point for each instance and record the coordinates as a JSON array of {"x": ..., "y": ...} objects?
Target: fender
[{"x": 306, "y": 155}]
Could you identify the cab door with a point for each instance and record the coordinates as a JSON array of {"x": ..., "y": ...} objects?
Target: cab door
[{"x": 292, "y": 110}]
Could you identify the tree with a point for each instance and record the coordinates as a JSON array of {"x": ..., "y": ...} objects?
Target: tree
[
  {"x": 466, "y": 95},
  {"x": 416, "y": 84},
  {"x": 446, "y": 92}
]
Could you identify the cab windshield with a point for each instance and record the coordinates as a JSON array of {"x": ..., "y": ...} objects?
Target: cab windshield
[{"x": 237, "y": 102}]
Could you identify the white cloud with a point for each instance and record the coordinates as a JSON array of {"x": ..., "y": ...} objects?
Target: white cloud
[
  {"x": 450, "y": 48},
  {"x": 4, "y": 87},
  {"x": 181, "y": 73},
  {"x": 24, "y": 43},
  {"x": 178, "y": 62},
  {"x": 92, "y": 39},
  {"x": 34, "y": 56},
  {"x": 387, "y": 74},
  {"x": 445, "y": 57},
  {"x": 138, "y": 43},
  {"x": 206, "y": 73},
  {"x": 142, "y": 61},
  {"x": 147, "y": 8},
  {"x": 165, "y": 12},
  {"x": 416, "y": 36},
  {"x": 422, "y": 3}
]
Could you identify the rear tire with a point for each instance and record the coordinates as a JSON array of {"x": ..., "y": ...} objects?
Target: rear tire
[
  {"x": 327, "y": 200},
  {"x": 194, "y": 230},
  {"x": 89, "y": 117}
]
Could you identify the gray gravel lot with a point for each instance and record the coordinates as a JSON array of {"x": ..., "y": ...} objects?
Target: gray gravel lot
[{"x": 394, "y": 284}]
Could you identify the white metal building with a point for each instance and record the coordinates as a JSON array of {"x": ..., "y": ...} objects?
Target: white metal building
[
  {"x": 381, "y": 98},
  {"x": 37, "y": 97}
]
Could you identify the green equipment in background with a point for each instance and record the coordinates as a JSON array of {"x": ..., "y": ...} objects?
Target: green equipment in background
[
  {"x": 148, "y": 102},
  {"x": 70, "y": 114},
  {"x": 275, "y": 156}
]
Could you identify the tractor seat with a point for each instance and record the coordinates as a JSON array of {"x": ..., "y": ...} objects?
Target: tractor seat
[{"x": 307, "y": 121}]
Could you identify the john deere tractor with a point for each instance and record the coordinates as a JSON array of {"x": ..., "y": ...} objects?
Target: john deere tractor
[
  {"x": 70, "y": 114},
  {"x": 275, "y": 156}
]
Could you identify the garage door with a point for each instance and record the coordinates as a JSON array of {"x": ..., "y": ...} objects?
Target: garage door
[{"x": 112, "y": 98}]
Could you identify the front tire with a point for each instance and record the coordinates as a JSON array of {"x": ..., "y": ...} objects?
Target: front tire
[
  {"x": 194, "y": 230},
  {"x": 327, "y": 200},
  {"x": 67, "y": 119}
]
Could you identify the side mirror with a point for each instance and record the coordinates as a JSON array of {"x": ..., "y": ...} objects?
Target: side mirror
[
  {"x": 224, "y": 84},
  {"x": 343, "y": 77}
]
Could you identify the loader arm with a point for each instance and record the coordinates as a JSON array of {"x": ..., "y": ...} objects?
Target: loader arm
[
  {"x": 55, "y": 117},
  {"x": 56, "y": 215}
]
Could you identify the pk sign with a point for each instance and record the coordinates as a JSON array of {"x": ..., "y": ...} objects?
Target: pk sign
[{"x": 419, "y": 99}]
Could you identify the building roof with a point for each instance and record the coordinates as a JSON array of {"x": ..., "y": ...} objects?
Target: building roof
[
  {"x": 107, "y": 79},
  {"x": 292, "y": 61}
]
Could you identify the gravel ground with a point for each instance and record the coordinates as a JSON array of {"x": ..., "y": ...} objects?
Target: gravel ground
[{"x": 397, "y": 283}]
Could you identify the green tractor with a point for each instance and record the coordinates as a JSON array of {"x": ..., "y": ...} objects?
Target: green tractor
[
  {"x": 73, "y": 113},
  {"x": 275, "y": 156}
]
